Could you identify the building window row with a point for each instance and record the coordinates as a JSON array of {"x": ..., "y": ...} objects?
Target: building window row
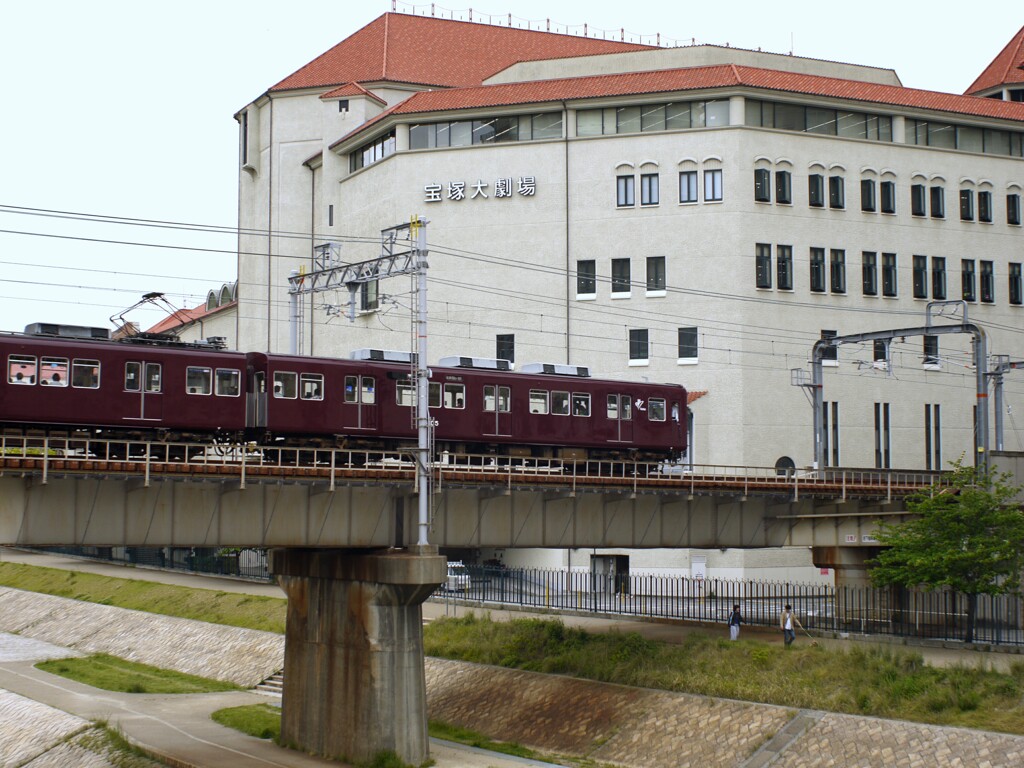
[
  {"x": 650, "y": 188},
  {"x": 679, "y": 115},
  {"x": 819, "y": 120},
  {"x": 967, "y": 138},
  {"x": 621, "y": 278},
  {"x": 686, "y": 346},
  {"x": 494, "y": 130},
  {"x": 371, "y": 152}
]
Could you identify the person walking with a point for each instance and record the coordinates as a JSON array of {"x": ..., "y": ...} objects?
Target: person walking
[
  {"x": 735, "y": 619},
  {"x": 788, "y": 622}
]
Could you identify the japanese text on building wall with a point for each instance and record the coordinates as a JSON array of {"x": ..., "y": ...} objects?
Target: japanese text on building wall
[{"x": 525, "y": 186}]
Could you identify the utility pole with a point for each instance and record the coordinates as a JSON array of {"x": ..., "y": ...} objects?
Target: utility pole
[{"x": 331, "y": 275}]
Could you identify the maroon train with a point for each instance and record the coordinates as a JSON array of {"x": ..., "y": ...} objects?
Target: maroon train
[{"x": 196, "y": 393}]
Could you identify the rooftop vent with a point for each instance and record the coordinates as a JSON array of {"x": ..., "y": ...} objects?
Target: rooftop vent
[
  {"x": 556, "y": 369},
  {"x": 387, "y": 355},
  {"x": 475, "y": 362},
  {"x": 66, "y": 331}
]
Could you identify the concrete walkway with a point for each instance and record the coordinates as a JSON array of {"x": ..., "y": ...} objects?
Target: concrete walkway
[{"x": 607, "y": 723}]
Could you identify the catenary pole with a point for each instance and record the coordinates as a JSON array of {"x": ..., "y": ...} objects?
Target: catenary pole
[{"x": 418, "y": 232}]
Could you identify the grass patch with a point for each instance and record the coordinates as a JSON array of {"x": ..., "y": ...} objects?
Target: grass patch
[
  {"x": 473, "y": 739},
  {"x": 862, "y": 680},
  {"x": 232, "y": 609},
  {"x": 260, "y": 720},
  {"x": 113, "y": 674},
  {"x": 112, "y": 747}
]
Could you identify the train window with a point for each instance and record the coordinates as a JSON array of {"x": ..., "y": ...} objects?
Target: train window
[
  {"x": 613, "y": 406},
  {"x": 285, "y": 384},
  {"x": 228, "y": 382},
  {"x": 132, "y": 377},
  {"x": 538, "y": 401},
  {"x": 503, "y": 402},
  {"x": 198, "y": 381},
  {"x": 352, "y": 394},
  {"x": 153, "y": 377},
  {"x": 369, "y": 390},
  {"x": 626, "y": 408},
  {"x": 404, "y": 394},
  {"x": 560, "y": 403},
  {"x": 85, "y": 374},
  {"x": 311, "y": 386},
  {"x": 435, "y": 396},
  {"x": 53, "y": 371},
  {"x": 580, "y": 403},
  {"x": 21, "y": 369},
  {"x": 454, "y": 395},
  {"x": 656, "y": 409}
]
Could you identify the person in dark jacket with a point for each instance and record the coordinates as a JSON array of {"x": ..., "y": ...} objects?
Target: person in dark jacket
[{"x": 735, "y": 619}]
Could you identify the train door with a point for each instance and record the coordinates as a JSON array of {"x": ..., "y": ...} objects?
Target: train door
[
  {"x": 144, "y": 379},
  {"x": 620, "y": 412},
  {"x": 497, "y": 410},
  {"x": 359, "y": 404}
]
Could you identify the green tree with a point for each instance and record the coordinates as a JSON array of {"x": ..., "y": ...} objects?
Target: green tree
[{"x": 967, "y": 535}]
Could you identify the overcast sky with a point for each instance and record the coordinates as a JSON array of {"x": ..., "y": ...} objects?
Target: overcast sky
[{"x": 125, "y": 109}]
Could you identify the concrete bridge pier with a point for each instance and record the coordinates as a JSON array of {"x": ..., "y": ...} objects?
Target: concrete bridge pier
[
  {"x": 851, "y": 564},
  {"x": 354, "y": 682}
]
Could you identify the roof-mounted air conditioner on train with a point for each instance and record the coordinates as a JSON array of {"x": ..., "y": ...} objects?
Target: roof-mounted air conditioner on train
[
  {"x": 66, "y": 331},
  {"x": 475, "y": 362},
  {"x": 556, "y": 369},
  {"x": 385, "y": 355}
]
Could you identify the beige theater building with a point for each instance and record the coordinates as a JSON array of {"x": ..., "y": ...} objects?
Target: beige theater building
[{"x": 699, "y": 215}]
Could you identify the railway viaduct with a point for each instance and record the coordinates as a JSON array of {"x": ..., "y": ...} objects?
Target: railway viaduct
[{"x": 342, "y": 530}]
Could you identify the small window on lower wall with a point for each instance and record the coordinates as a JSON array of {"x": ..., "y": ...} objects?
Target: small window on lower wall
[
  {"x": 538, "y": 401},
  {"x": 656, "y": 409},
  {"x": 198, "y": 381},
  {"x": 687, "y": 345}
]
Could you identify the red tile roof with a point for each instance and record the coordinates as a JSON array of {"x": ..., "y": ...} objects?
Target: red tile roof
[
  {"x": 185, "y": 317},
  {"x": 692, "y": 396},
  {"x": 694, "y": 78},
  {"x": 430, "y": 51},
  {"x": 352, "y": 89},
  {"x": 1006, "y": 69}
]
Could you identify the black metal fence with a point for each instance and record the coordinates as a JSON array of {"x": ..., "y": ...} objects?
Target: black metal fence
[{"x": 853, "y": 610}]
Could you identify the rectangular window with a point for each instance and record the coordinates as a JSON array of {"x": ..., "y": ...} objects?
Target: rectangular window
[
  {"x": 560, "y": 403},
  {"x": 652, "y": 117},
  {"x": 403, "y": 390},
  {"x": 581, "y": 404},
  {"x": 987, "y": 282},
  {"x": 85, "y": 374},
  {"x": 539, "y": 401},
  {"x": 688, "y": 187},
  {"x": 784, "y": 266},
  {"x": 932, "y": 436},
  {"x": 967, "y": 280},
  {"x": 656, "y": 273},
  {"x": 586, "y": 278},
  {"x": 837, "y": 270},
  {"x": 687, "y": 343},
  {"x": 53, "y": 371},
  {"x": 656, "y": 409},
  {"x": 1013, "y": 209},
  {"x": 882, "y": 459},
  {"x": 455, "y": 396},
  {"x": 763, "y": 265},
  {"x": 966, "y": 204},
  {"x": 816, "y": 190},
  {"x": 228, "y": 382},
  {"x": 836, "y": 192},
  {"x": 830, "y": 433},
  {"x": 621, "y": 281},
  {"x": 869, "y": 271},
  {"x": 1016, "y": 288},
  {"x": 889, "y": 279},
  {"x": 938, "y": 200},
  {"x": 762, "y": 185},
  {"x": 830, "y": 355},
  {"x": 938, "y": 278},
  {"x": 985, "y": 207},
  {"x": 505, "y": 347},
  {"x": 199, "y": 380},
  {"x": 931, "y": 351},
  {"x": 783, "y": 187},
  {"x": 880, "y": 354},
  {"x": 285, "y": 385},
  {"x": 498, "y": 397},
  {"x": 132, "y": 377},
  {"x": 434, "y": 395},
  {"x": 712, "y": 186},
  {"x": 888, "y": 189},
  {"x": 21, "y": 369},
  {"x": 311, "y": 386},
  {"x": 625, "y": 191},
  {"x": 918, "y": 200},
  {"x": 639, "y": 347},
  {"x": 368, "y": 296},
  {"x": 818, "y": 270},
  {"x": 867, "y": 195},
  {"x": 920, "y": 277},
  {"x": 649, "y": 189},
  {"x": 368, "y": 389}
]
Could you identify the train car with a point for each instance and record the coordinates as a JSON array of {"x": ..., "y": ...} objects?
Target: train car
[
  {"x": 555, "y": 411},
  {"x": 116, "y": 389}
]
